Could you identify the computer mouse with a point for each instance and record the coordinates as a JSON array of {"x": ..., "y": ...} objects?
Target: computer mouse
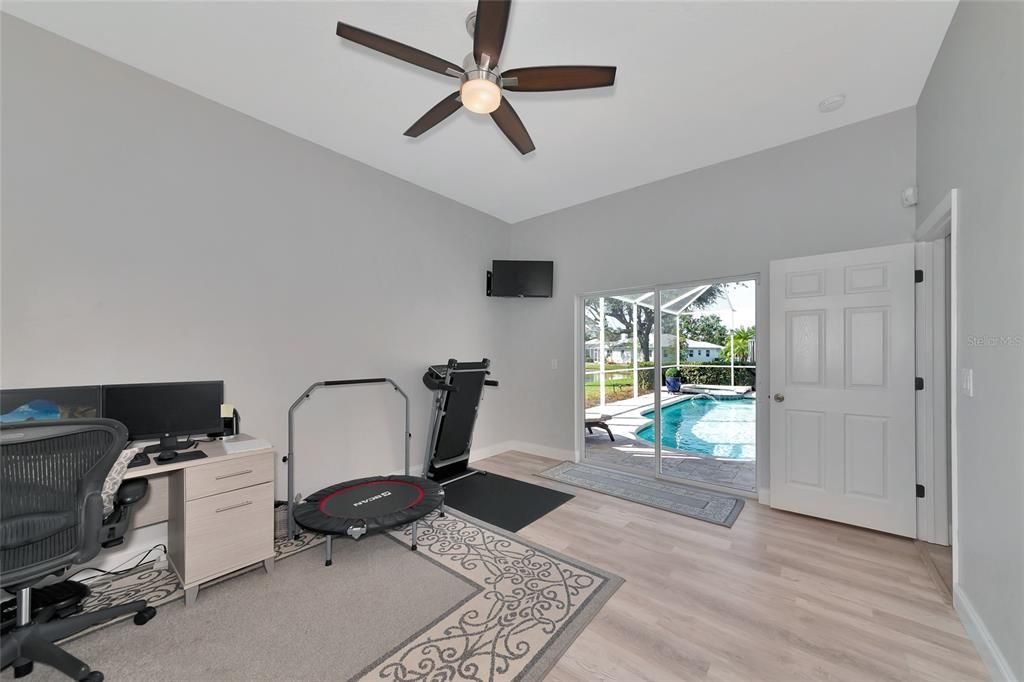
[{"x": 166, "y": 456}]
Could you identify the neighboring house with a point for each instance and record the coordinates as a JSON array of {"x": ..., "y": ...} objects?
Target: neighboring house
[
  {"x": 620, "y": 351},
  {"x": 702, "y": 351}
]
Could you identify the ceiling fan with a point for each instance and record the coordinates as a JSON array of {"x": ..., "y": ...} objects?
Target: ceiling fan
[{"x": 481, "y": 81}]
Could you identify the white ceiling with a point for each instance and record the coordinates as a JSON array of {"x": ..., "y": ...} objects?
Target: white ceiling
[{"x": 698, "y": 82}]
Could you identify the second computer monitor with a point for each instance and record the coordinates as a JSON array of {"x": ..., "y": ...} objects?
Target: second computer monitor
[{"x": 166, "y": 410}]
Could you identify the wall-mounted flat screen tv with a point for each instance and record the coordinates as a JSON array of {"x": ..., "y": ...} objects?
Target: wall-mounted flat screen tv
[{"x": 522, "y": 278}]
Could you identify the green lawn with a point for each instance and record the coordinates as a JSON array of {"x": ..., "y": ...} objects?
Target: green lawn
[{"x": 614, "y": 389}]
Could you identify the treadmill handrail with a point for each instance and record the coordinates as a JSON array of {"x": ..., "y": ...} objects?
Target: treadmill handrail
[{"x": 291, "y": 424}]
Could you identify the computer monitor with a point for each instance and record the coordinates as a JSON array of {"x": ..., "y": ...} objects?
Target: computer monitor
[
  {"x": 166, "y": 411},
  {"x": 45, "y": 404}
]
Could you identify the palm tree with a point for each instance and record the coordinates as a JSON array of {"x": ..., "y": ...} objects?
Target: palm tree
[{"x": 737, "y": 346}]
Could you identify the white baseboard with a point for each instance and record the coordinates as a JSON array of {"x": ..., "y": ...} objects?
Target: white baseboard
[
  {"x": 764, "y": 496},
  {"x": 993, "y": 658},
  {"x": 521, "y": 446}
]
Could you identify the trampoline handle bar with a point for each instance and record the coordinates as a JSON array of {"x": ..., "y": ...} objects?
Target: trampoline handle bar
[
  {"x": 490, "y": 382},
  {"x": 352, "y": 382},
  {"x": 291, "y": 428}
]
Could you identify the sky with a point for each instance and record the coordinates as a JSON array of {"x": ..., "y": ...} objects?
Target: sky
[{"x": 741, "y": 295}]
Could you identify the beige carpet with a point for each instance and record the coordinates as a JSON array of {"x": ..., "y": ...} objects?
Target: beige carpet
[
  {"x": 306, "y": 621},
  {"x": 474, "y": 602}
]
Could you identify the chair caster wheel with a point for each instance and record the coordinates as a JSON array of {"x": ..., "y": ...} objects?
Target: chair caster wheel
[
  {"x": 328, "y": 562},
  {"x": 94, "y": 676},
  {"x": 23, "y": 669},
  {"x": 141, "y": 618}
]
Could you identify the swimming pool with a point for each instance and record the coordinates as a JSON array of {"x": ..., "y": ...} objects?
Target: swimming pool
[{"x": 710, "y": 428}]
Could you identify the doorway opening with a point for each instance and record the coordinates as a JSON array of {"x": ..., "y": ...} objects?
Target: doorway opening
[{"x": 669, "y": 376}]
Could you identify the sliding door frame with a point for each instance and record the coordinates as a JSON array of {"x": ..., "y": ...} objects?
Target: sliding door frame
[
  {"x": 579, "y": 324},
  {"x": 580, "y": 365}
]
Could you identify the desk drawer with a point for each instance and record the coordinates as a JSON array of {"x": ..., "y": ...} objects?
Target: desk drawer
[
  {"x": 228, "y": 531},
  {"x": 221, "y": 477}
]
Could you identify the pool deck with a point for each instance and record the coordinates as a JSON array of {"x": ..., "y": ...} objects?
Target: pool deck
[{"x": 629, "y": 452}]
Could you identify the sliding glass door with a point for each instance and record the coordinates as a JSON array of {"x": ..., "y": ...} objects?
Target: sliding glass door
[
  {"x": 668, "y": 382},
  {"x": 618, "y": 378}
]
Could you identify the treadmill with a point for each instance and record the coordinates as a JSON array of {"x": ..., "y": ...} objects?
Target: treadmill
[{"x": 458, "y": 389}]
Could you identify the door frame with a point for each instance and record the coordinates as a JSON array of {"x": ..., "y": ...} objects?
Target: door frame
[
  {"x": 940, "y": 372},
  {"x": 579, "y": 379}
]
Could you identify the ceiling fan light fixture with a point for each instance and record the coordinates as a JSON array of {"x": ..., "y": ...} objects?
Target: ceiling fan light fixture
[
  {"x": 480, "y": 95},
  {"x": 481, "y": 82}
]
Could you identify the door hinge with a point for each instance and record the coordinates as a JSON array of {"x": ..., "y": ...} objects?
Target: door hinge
[
  {"x": 918, "y": 383},
  {"x": 918, "y": 276},
  {"x": 920, "y": 490}
]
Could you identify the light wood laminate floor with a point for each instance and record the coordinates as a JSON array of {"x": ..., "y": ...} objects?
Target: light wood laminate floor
[{"x": 778, "y": 596}]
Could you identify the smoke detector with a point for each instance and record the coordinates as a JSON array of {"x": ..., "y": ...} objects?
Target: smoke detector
[{"x": 830, "y": 104}]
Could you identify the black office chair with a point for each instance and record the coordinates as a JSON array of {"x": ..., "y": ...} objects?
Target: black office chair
[{"x": 52, "y": 517}]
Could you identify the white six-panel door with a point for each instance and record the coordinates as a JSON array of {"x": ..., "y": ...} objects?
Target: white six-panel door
[{"x": 842, "y": 381}]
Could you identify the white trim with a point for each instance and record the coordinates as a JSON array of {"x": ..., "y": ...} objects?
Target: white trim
[
  {"x": 938, "y": 224},
  {"x": 954, "y": 371},
  {"x": 987, "y": 648},
  {"x": 764, "y": 496},
  {"x": 943, "y": 221},
  {"x": 580, "y": 377}
]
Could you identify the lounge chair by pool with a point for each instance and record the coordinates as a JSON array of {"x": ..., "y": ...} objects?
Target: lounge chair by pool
[{"x": 596, "y": 420}]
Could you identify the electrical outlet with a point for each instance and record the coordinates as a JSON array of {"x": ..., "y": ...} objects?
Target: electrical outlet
[{"x": 967, "y": 382}]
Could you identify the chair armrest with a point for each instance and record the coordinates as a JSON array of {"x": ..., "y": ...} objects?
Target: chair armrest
[
  {"x": 132, "y": 491},
  {"x": 116, "y": 525}
]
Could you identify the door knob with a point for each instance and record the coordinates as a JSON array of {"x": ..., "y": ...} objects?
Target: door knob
[{"x": 779, "y": 397}]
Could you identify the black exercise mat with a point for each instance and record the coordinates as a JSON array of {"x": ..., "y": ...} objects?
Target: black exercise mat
[{"x": 503, "y": 502}]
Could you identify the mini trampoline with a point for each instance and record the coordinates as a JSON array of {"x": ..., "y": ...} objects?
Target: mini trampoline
[{"x": 363, "y": 505}]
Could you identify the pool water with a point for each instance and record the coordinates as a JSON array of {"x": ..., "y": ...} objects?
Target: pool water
[{"x": 710, "y": 428}]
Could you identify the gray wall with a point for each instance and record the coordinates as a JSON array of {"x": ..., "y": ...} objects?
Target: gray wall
[
  {"x": 835, "y": 191},
  {"x": 969, "y": 135},
  {"x": 152, "y": 235}
]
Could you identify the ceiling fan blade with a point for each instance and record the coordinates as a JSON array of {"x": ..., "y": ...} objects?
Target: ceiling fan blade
[
  {"x": 439, "y": 112},
  {"x": 489, "y": 35},
  {"x": 550, "y": 78},
  {"x": 398, "y": 50},
  {"x": 510, "y": 123}
]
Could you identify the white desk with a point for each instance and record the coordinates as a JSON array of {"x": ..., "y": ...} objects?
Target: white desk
[{"x": 219, "y": 512}]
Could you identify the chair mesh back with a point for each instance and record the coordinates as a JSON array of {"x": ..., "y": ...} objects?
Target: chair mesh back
[{"x": 48, "y": 470}]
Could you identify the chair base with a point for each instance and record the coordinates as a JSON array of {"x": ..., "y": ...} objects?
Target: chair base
[
  {"x": 33, "y": 642},
  {"x": 58, "y": 600}
]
